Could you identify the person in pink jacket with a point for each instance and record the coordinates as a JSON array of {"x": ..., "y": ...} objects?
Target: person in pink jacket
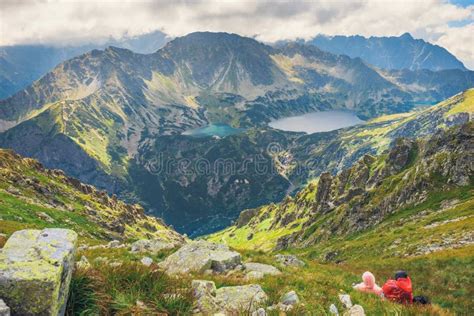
[{"x": 368, "y": 285}]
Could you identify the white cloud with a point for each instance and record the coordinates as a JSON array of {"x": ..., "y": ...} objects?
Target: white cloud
[
  {"x": 73, "y": 21},
  {"x": 460, "y": 42}
]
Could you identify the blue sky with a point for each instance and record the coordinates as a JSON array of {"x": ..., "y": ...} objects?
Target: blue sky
[{"x": 463, "y": 3}]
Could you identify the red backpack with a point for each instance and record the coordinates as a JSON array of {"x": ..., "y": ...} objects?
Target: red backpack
[{"x": 399, "y": 291}]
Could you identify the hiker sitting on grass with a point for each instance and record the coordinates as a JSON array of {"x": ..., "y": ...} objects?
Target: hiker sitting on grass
[{"x": 397, "y": 290}]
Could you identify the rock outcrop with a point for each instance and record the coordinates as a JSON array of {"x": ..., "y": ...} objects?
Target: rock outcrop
[
  {"x": 35, "y": 271},
  {"x": 323, "y": 192},
  {"x": 199, "y": 256},
  {"x": 245, "y": 217},
  {"x": 289, "y": 260}
]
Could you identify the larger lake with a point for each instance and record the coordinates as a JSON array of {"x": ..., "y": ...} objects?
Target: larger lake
[{"x": 317, "y": 121}]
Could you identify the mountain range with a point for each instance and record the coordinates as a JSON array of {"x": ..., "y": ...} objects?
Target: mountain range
[
  {"x": 112, "y": 158},
  {"x": 402, "y": 52},
  {"x": 102, "y": 116},
  {"x": 21, "y": 65}
]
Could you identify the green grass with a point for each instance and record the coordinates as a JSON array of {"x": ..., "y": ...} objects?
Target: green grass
[
  {"x": 129, "y": 289},
  {"x": 445, "y": 277},
  {"x": 17, "y": 214}
]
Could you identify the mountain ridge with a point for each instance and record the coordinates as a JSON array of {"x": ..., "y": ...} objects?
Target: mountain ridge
[
  {"x": 21, "y": 65},
  {"x": 413, "y": 177},
  {"x": 32, "y": 196},
  {"x": 392, "y": 52}
]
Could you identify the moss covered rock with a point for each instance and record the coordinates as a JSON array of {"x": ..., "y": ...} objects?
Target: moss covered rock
[
  {"x": 199, "y": 256},
  {"x": 35, "y": 270}
]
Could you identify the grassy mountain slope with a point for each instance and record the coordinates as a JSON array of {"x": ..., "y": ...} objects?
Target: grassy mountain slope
[
  {"x": 414, "y": 182},
  {"x": 34, "y": 197},
  {"x": 411, "y": 208}
]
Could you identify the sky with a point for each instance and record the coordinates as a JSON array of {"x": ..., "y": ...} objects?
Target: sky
[{"x": 59, "y": 22}]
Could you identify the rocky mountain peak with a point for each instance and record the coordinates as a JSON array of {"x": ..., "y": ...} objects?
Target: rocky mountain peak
[{"x": 406, "y": 36}]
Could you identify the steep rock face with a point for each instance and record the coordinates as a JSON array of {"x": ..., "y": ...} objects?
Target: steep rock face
[
  {"x": 403, "y": 52},
  {"x": 322, "y": 196}
]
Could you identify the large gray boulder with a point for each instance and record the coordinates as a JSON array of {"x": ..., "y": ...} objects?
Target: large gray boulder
[
  {"x": 256, "y": 270},
  {"x": 199, "y": 256},
  {"x": 290, "y": 298},
  {"x": 240, "y": 299},
  {"x": 35, "y": 271},
  {"x": 229, "y": 300}
]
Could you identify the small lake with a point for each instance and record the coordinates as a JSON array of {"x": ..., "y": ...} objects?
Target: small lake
[
  {"x": 218, "y": 129},
  {"x": 317, "y": 121}
]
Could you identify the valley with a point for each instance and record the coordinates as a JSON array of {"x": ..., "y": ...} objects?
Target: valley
[
  {"x": 224, "y": 175},
  {"x": 104, "y": 115}
]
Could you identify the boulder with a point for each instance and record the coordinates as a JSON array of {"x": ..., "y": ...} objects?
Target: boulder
[
  {"x": 333, "y": 310},
  {"x": 146, "y": 261},
  {"x": 254, "y": 269},
  {"x": 289, "y": 260},
  {"x": 200, "y": 256},
  {"x": 290, "y": 298},
  {"x": 205, "y": 295},
  {"x": 230, "y": 300},
  {"x": 152, "y": 246},
  {"x": 254, "y": 275},
  {"x": 235, "y": 299},
  {"x": 35, "y": 271},
  {"x": 83, "y": 263},
  {"x": 355, "y": 310},
  {"x": 114, "y": 244},
  {"x": 4, "y": 309}
]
